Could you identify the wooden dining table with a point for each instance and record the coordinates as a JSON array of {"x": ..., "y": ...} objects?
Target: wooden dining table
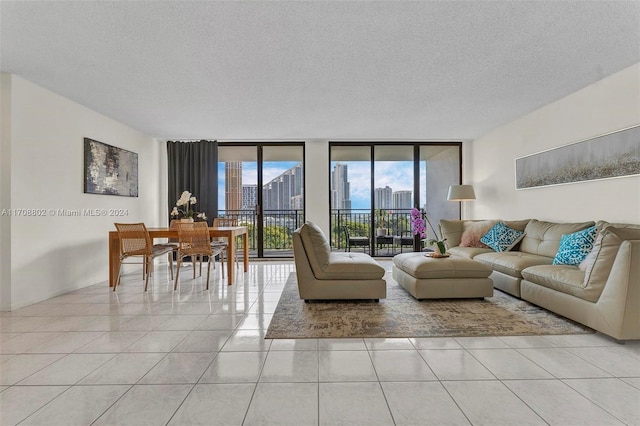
[{"x": 228, "y": 232}]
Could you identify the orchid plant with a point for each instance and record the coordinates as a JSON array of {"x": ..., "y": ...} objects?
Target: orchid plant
[
  {"x": 185, "y": 207},
  {"x": 418, "y": 224}
]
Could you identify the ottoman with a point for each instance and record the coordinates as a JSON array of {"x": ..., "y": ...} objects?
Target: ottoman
[{"x": 442, "y": 278}]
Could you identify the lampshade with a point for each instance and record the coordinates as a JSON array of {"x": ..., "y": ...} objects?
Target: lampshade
[{"x": 461, "y": 193}]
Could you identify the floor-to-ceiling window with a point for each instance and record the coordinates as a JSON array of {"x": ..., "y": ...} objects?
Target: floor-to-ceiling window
[
  {"x": 350, "y": 194},
  {"x": 375, "y": 185},
  {"x": 262, "y": 185}
]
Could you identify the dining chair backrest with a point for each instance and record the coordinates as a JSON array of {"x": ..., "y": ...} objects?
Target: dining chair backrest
[
  {"x": 134, "y": 239},
  {"x": 194, "y": 238},
  {"x": 225, "y": 221}
]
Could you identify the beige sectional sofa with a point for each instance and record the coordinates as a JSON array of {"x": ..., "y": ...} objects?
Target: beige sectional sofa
[{"x": 605, "y": 296}]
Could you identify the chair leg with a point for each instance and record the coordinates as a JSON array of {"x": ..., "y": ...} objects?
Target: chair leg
[
  {"x": 118, "y": 279},
  {"x": 171, "y": 264},
  {"x": 175, "y": 285},
  {"x": 208, "y": 270},
  {"x": 194, "y": 264},
  {"x": 149, "y": 264}
]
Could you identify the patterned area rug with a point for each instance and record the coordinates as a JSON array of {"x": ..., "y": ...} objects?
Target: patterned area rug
[{"x": 400, "y": 315}]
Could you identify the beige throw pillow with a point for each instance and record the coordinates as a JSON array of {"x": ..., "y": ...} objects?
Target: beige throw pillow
[{"x": 473, "y": 231}]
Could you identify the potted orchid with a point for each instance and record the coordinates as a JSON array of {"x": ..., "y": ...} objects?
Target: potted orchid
[
  {"x": 418, "y": 224},
  {"x": 185, "y": 208}
]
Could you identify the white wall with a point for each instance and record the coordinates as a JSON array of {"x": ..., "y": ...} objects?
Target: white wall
[
  {"x": 5, "y": 191},
  {"x": 489, "y": 162},
  {"x": 51, "y": 255}
]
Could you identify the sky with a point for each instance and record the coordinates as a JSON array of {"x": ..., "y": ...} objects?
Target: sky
[{"x": 396, "y": 174}]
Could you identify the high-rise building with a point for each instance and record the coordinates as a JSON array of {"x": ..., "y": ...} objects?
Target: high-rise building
[
  {"x": 280, "y": 193},
  {"x": 233, "y": 185},
  {"x": 297, "y": 202},
  {"x": 383, "y": 198},
  {"x": 402, "y": 200},
  {"x": 249, "y": 196},
  {"x": 340, "y": 189}
]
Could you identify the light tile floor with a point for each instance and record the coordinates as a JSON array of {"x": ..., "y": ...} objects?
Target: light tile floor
[{"x": 198, "y": 357}]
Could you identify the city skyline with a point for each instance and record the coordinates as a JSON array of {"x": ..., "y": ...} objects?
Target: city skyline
[
  {"x": 397, "y": 176},
  {"x": 284, "y": 188}
]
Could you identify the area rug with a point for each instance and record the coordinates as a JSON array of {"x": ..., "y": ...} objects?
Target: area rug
[{"x": 400, "y": 315}]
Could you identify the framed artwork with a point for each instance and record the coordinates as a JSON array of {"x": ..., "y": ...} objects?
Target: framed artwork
[
  {"x": 109, "y": 170},
  {"x": 608, "y": 156}
]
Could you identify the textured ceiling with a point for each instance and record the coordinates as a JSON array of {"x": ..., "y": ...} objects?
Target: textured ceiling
[{"x": 301, "y": 70}]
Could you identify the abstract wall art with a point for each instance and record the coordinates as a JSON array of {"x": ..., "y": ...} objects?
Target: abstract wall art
[
  {"x": 612, "y": 155},
  {"x": 109, "y": 170}
]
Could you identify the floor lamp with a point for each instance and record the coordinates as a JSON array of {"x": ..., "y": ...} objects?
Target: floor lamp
[{"x": 461, "y": 193}]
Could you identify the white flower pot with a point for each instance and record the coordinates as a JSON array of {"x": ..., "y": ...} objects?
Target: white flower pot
[{"x": 186, "y": 220}]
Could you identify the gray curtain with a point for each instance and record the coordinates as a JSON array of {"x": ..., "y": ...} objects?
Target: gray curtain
[{"x": 193, "y": 167}]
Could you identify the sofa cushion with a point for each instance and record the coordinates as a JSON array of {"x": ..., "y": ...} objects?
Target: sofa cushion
[
  {"x": 474, "y": 231},
  {"x": 600, "y": 225},
  {"x": 316, "y": 246},
  {"x": 512, "y": 262},
  {"x": 452, "y": 230},
  {"x": 468, "y": 252},
  {"x": 350, "y": 266},
  {"x": 575, "y": 247},
  {"x": 564, "y": 278},
  {"x": 605, "y": 250},
  {"x": 501, "y": 237},
  {"x": 543, "y": 238}
]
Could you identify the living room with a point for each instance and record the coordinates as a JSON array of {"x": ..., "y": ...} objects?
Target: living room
[{"x": 82, "y": 72}]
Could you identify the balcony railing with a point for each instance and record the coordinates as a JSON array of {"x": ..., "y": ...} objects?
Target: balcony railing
[
  {"x": 278, "y": 228},
  {"x": 391, "y": 229}
]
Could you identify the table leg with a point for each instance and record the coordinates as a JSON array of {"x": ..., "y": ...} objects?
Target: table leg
[
  {"x": 114, "y": 259},
  {"x": 231, "y": 249},
  {"x": 245, "y": 243}
]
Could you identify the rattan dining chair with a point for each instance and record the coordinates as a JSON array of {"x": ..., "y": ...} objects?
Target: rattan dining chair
[
  {"x": 135, "y": 243},
  {"x": 225, "y": 221},
  {"x": 194, "y": 242},
  {"x": 173, "y": 243}
]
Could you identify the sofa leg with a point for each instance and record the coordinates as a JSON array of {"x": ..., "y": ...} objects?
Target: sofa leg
[
  {"x": 620, "y": 342},
  {"x": 376, "y": 300},
  {"x": 306, "y": 300}
]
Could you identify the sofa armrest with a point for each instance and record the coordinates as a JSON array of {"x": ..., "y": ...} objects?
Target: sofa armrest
[{"x": 619, "y": 304}]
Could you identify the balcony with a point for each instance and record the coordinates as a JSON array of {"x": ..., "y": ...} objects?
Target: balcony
[
  {"x": 389, "y": 230},
  {"x": 394, "y": 237}
]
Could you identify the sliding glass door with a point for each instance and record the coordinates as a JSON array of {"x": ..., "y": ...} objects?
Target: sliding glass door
[
  {"x": 393, "y": 198},
  {"x": 262, "y": 185},
  {"x": 375, "y": 185},
  {"x": 350, "y": 192},
  {"x": 281, "y": 209}
]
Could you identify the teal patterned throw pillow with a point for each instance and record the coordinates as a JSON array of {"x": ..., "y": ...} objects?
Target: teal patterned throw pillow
[
  {"x": 575, "y": 247},
  {"x": 501, "y": 237}
]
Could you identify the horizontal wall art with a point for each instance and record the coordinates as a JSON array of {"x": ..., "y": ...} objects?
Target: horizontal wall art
[
  {"x": 109, "y": 170},
  {"x": 612, "y": 155}
]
